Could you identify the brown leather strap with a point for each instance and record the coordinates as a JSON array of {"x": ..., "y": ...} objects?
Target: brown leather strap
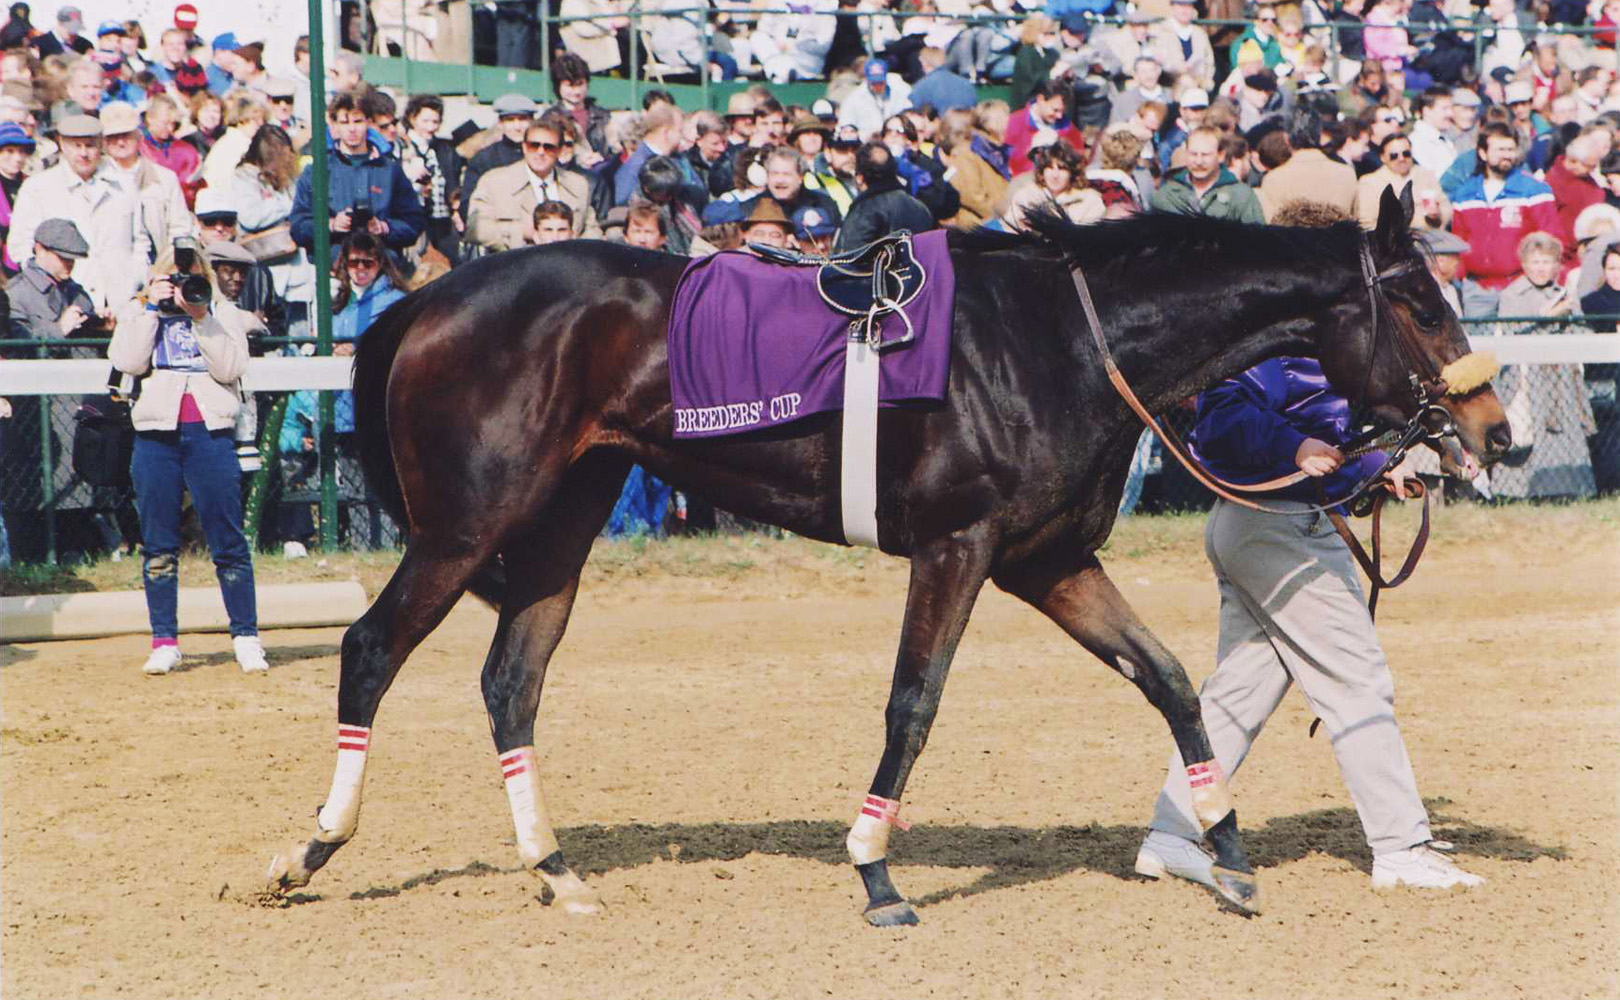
[
  {"x": 1372, "y": 564},
  {"x": 1172, "y": 442}
]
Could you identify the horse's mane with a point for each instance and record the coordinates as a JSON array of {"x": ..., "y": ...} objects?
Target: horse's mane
[{"x": 1170, "y": 241}]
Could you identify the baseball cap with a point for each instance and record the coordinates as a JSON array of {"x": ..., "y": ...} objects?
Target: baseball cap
[
  {"x": 1264, "y": 80},
  {"x": 877, "y": 71},
  {"x": 63, "y": 237},
  {"x": 185, "y": 17},
  {"x": 1194, "y": 97},
  {"x": 1518, "y": 92},
  {"x": 1465, "y": 97},
  {"x": 70, "y": 18},
  {"x": 225, "y": 42},
  {"x": 824, "y": 109},
  {"x": 508, "y": 105},
  {"x": 811, "y": 221},
  {"x": 119, "y": 117},
  {"x": 110, "y": 27},
  {"x": 215, "y": 204},
  {"x": 12, "y": 134}
]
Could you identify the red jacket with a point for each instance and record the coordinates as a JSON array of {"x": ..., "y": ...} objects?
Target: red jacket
[
  {"x": 179, "y": 156},
  {"x": 1573, "y": 195},
  {"x": 1493, "y": 228},
  {"x": 1021, "y": 131}
]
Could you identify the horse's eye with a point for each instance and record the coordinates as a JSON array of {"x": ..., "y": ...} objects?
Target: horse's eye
[{"x": 1427, "y": 320}]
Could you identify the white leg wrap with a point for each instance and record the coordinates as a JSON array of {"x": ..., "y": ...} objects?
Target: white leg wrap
[
  {"x": 868, "y": 839},
  {"x": 535, "y": 839},
  {"x": 341, "y": 814},
  {"x": 1211, "y": 800}
]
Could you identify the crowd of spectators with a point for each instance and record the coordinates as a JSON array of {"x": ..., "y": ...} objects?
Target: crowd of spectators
[{"x": 140, "y": 141}]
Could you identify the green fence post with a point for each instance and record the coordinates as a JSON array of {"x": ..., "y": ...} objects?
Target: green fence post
[
  {"x": 703, "y": 71},
  {"x": 323, "y": 268},
  {"x": 635, "y": 53},
  {"x": 545, "y": 43},
  {"x": 269, "y": 440}
]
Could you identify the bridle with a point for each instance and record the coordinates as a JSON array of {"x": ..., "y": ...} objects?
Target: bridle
[{"x": 1429, "y": 422}]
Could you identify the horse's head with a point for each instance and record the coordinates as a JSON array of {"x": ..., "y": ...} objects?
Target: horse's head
[{"x": 1413, "y": 359}]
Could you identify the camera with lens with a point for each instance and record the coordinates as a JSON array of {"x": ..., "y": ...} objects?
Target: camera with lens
[
  {"x": 194, "y": 288},
  {"x": 360, "y": 216}
]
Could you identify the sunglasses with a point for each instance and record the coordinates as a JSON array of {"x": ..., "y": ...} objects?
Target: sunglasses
[
  {"x": 550, "y": 147},
  {"x": 1267, "y": 19},
  {"x": 362, "y": 263},
  {"x": 1398, "y": 154},
  {"x": 281, "y": 100}
]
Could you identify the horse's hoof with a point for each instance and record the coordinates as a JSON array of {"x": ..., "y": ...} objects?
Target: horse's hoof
[
  {"x": 892, "y": 915},
  {"x": 586, "y": 904},
  {"x": 287, "y": 871},
  {"x": 1239, "y": 890}
]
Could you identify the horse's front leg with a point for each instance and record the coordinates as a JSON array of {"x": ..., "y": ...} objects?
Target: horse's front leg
[
  {"x": 1072, "y": 589},
  {"x": 946, "y": 577}
]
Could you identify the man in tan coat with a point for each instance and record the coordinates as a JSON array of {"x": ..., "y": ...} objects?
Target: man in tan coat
[
  {"x": 501, "y": 214},
  {"x": 1309, "y": 174},
  {"x": 1431, "y": 207},
  {"x": 1183, "y": 47}
]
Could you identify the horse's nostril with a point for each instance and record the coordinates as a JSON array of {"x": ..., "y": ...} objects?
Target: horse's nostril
[{"x": 1499, "y": 438}]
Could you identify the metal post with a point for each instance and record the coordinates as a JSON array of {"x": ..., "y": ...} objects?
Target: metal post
[
  {"x": 545, "y": 42},
  {"x": 47, "y": 473},
  {"x": 635, "y": 53},
  {"x": 703, "y": 71},
  {"x": 323, "y": 268}
]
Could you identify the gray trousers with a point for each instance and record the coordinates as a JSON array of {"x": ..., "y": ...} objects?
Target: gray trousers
[{"x": 1292, "y": 609}]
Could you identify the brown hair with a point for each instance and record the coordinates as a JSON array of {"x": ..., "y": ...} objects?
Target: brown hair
[
  {"x": 364, "y": 243},
  {"x": 1120, "y": 149},
  {"x": 646, "y": 212}
]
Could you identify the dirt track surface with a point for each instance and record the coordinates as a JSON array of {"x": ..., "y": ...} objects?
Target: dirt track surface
[{"x": 705, "y": 744}]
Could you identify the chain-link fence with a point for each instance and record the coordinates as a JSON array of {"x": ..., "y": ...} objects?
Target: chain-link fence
[{"x": 66, "y": 496}]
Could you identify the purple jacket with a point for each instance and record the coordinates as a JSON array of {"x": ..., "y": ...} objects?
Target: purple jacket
[{"x": 1250, "y": 427}]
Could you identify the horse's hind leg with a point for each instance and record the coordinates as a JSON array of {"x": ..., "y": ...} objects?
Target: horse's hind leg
[
  {"x": 1073, "y": 591},
  {"x": 946, "y": 577},
  {"x": 427, "y": 584},
  {"x": 542, "y": 577}
]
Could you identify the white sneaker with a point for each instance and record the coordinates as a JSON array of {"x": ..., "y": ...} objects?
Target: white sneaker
[
  {"x": 1164, "y": 854},
  {"x": 250, "y": 654},
  {"x": 1421, "y": 867},
  {"x": 162, "y": 660},
  {"x": 293, "y": 550}
]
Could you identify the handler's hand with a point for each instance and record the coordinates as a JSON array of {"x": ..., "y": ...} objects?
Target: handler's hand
[
  {"x": 1403, "y": 479},
  {"x": 1317, "y": 458}
]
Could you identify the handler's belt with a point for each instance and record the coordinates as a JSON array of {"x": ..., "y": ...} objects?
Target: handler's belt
[{"x": 867, "y": 284}]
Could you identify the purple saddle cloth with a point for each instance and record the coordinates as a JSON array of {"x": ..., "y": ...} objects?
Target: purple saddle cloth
[{"x": 752, "y": 345}]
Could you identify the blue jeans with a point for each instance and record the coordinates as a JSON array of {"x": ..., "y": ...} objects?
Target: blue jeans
[
  {"x": 165, "y": 464},
  {"x": 642, "y": 505}
]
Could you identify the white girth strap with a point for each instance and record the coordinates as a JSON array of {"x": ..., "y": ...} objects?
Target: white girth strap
[{"x": 858, "y": 478}]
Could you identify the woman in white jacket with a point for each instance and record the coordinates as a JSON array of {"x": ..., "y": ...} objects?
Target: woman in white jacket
[{"x": 191, "y": 354}]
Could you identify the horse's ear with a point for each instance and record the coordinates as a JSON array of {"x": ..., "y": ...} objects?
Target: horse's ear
[{"x": 1394, "y": 218}]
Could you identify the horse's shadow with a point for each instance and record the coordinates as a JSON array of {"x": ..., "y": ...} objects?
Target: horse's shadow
[
  {"x": 1014, "y": 855},
  {"x": 277, "y": 656}
]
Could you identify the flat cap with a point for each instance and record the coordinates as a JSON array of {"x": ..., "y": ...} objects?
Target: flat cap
[
  {"x": 1443, "y": 241},
  {"x": 513, "y": 104},
  {"x": 740, "y": 105},
  {"x": 119, "y": 117},
  {"x": 1138, "y": 16},
  {"x": 1518, "y": 92},
  {"x": 63, "y": 237},
  {"x": 226, "y": 252},
  {"x": 1465, "y": 97},
  {"x": 79, "y": 126}
]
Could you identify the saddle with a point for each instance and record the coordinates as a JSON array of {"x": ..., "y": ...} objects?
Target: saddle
[{"x": 868, "y": 283}]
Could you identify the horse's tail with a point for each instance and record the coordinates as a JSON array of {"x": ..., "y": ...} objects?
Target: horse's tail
[{"x": 373, "y": 363}]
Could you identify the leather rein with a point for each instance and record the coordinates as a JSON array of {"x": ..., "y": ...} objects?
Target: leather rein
[{"x": 1428, "y": 392}]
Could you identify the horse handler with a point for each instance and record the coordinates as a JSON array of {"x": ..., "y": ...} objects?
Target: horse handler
[{"x": 1292, "y": 610}]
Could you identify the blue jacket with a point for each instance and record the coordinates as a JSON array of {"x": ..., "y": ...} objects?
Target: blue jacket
[
  {"x": 1250, "y": 427},
  {"x": 374, "y": 180},
  {"x": 945, "y": 90},
  {"x": 348, "y": 325}
]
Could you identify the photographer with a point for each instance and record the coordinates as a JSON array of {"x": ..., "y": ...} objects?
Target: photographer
[
  {"x": 191, "y": 346},
  {"x": 367, "y": 191}
]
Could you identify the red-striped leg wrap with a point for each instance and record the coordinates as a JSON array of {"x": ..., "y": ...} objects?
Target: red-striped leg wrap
[
  {"x": 341, "y": 814},
  {"x": 535, "y": 838},
  {"x": 1210, "y": 798},
  {"x": 868, "y": 839}
]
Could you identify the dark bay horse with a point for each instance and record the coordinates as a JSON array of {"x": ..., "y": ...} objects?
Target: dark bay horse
[{"x": 501, "y": 407}]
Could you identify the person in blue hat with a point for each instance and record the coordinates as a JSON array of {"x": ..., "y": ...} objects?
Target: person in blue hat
[
  {"x": 222, "y": 70},
  {"x": 813, "y": 230},
  {"x": 15, "y": 148},
  {"x": 868, "y": 106}
]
